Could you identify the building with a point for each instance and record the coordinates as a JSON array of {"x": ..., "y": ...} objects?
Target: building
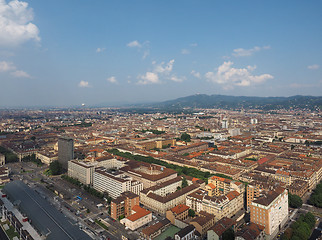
[
  {"x": 155, "y": 230},
  {"x": 253, "y": 191},
  {"x": 186, "y": 233},
  {"x": 47, "y": 157},
  {"x": 252, "y": 231},
  {"x": 4, "y": 175},
  {"x": 82, "y": 171},
  {"x": 221, "y": 206},
  {"x": 114, "y": 182},
  {"x": 218, "y": 186},
  {"x": 178, "y": 212},
  {"x": 65, "y": 150},
  {"x": 216, "y": 232},
  {"x": 161, "y": 204},
  {"x": 203, "y": 222},
  {"x": 122, "y": 205},
  {"x": 2, "y": 159},
  {"x": 149, "y": 174},
  {"x": 270, "y": 211},
  {"x": 138, "y": 218}
]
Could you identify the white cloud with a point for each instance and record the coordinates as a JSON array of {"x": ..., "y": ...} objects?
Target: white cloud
[
  {"x": 83, "y": 84},
  {"x": 313, "y": 67},
  {"x": 165, "y": 68},
  {"x": 149, "y": 78},
  {"x": 241, "y": 52},
  {"x": 145, "y": 47},
  {"x": 193, "y": 45},
  {"x": 185, "y": 51},
  {"x": 146, "y": 53},
  {"x": 134, "y": 44},
  {"x": 15, "y": 23},
  {"x": 20, "y": 74},
  {"x": 228, "y": 76},
  {"x": 177, "y": 79},
  {"x": 12, "y": 69},
  {"x": 112, "y": 79},
  {"x": 6, "y": 66},
  {"x": 163, "y": 71},
  {"x": 195, "y": 74},
  {"x": 98, "y": 50}
]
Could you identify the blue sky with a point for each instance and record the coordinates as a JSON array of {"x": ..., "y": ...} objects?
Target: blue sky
[{"x": 64, "y": 53}]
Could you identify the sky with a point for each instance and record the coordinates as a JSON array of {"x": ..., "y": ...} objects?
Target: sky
[{"x": 65, "y": 53}]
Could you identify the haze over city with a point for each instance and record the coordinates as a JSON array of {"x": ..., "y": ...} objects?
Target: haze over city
[{"x": 65, "y": 53}]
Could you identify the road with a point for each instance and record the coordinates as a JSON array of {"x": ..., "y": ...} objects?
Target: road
[{"x": 69, "y": 206}]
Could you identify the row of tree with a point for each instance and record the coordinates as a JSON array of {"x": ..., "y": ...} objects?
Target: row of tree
[
  {"x": 301, "y": 229},
  {"x": 193, "y": 172},
  {"x": 9, "y": 156},
  {"x": 294, "y": 201},
  {"x": 32, "y": 158},
  {"x": 316, "y": 196},
  {"x": 87, "y": 188}
]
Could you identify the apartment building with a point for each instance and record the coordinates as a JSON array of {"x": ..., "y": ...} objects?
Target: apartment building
[
  {"x": 221, "y": 206},
  {"x": 178, "y": 212},
  {"x": 218, "y": 186},
  {"x": 270, "y": 211},
  {"x": 203, "y": 222},
  {"x": 83, "y": 171},
  {"x": 114, "y": 182},
  {"x": 149, "y": 174},
  {"x": 138, "y": 218},
  {"x": 122, "y": 205},
  {"x": 161, "y": 204}
]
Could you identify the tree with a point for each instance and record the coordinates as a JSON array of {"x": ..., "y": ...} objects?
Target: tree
[
  {"x": 55, "y": 167},
  {"x": 184, "y": 182},
  {"x": 309, "y": 219},
  {"x": 185, "y": 137},
  {"x": 229, "y": 234},
  {"x": 294, "y": 201},
  {"x": 191, "y": 213}
]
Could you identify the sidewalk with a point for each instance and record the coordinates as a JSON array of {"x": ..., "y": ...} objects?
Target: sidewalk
[{"x": 26, "y": 225}]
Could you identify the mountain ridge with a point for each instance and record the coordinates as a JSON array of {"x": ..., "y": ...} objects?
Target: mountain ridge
[{"x": 238, "y": 102}]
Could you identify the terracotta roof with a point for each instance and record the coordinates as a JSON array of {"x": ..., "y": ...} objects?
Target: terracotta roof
[
  {"x": 233, "y": 194},
  {"x": 179, "y": 208},
  {"x": 139, "y": 213}
]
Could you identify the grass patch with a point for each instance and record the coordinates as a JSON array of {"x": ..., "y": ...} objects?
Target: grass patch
[{"x": 101, "y": 224}]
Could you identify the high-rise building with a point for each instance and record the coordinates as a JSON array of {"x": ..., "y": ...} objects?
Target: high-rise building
[
  {"x": 65, "y": 150},
  {"x": 270, "y": 211}
]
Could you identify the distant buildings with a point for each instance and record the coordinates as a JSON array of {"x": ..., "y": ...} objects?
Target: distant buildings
[{"x": 65, "y": 150}]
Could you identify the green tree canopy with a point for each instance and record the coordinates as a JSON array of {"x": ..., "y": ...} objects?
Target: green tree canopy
[
  {"x": 229, "y": 234},
  {"x": 185, "y": 137},
  {"x": 55, "y": 167},
  {"x": 184, "y": 182},
  {"x": 191, "y": 213},
  {"x": 294, "y": 201}
]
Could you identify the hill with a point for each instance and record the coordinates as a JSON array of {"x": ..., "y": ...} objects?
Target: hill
[{"x": 238, "y": 102}]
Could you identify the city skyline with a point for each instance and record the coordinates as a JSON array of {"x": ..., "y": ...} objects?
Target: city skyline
[{"x": 54, "y": 54}]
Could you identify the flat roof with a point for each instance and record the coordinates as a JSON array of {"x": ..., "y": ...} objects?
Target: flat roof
[{"x": 44, "y": 217}]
